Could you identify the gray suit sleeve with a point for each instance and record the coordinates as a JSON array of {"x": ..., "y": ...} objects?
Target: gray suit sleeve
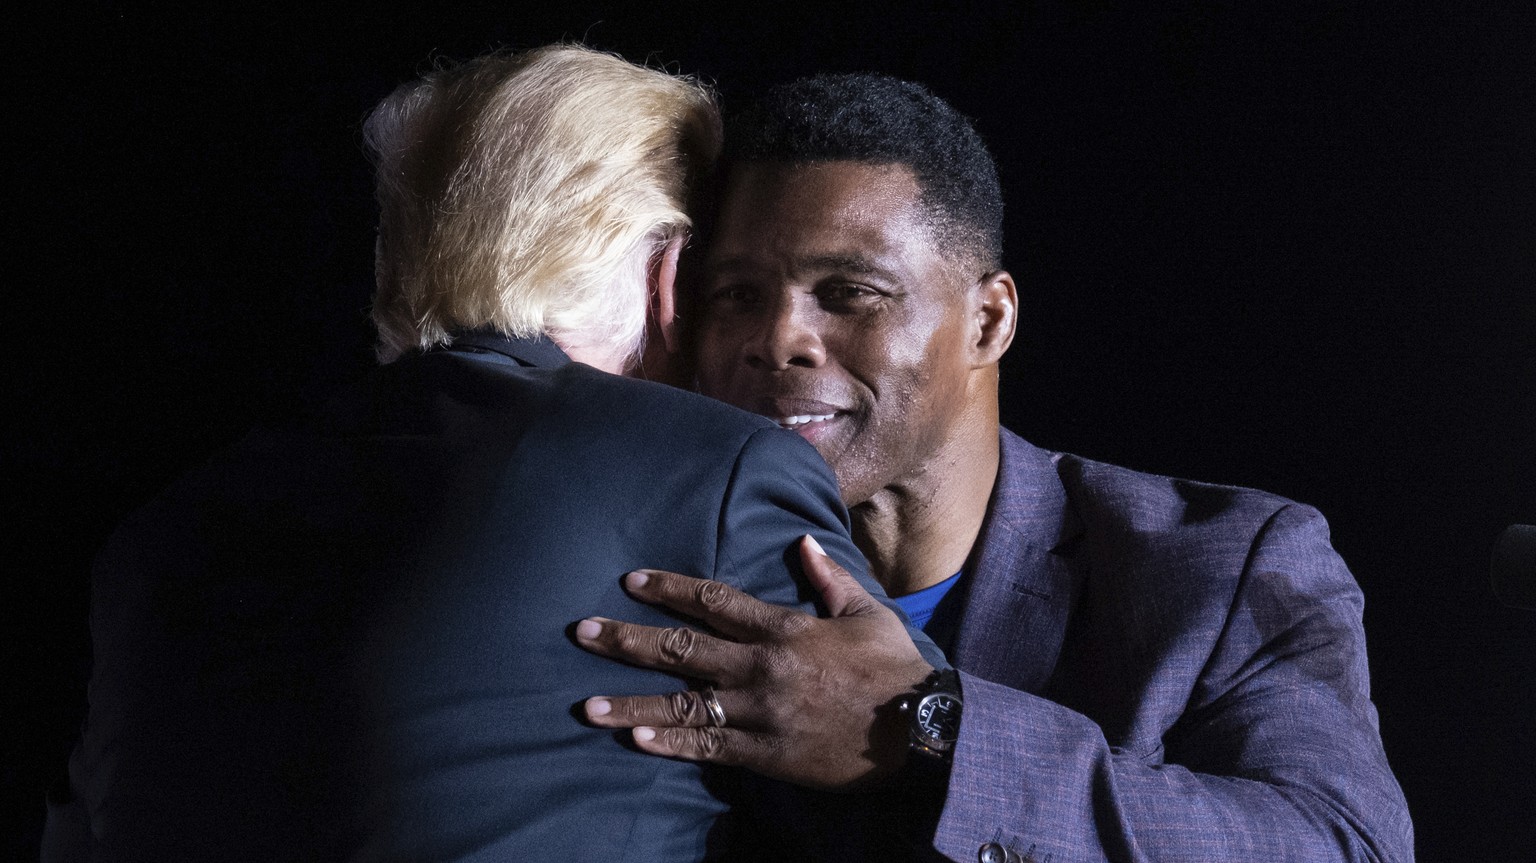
[
  {"x": 779, "y": 490},
  {"x": 1275, "y": 757}
]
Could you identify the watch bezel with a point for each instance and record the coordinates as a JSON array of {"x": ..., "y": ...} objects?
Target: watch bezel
[
  {"x": 928, "y": 732},
  {"x": 922, "y": 736}
]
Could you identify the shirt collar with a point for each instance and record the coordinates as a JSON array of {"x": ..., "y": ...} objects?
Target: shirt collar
[{"x": 538, "y": 352}]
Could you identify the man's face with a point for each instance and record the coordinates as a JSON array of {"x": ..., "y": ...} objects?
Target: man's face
[{"x": 828, "y": 308}]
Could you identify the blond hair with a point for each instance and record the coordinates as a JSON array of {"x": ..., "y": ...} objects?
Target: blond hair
[{"x": 530, "y": 193}]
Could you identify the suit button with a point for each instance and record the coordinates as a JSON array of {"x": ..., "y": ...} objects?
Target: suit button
[{"x": 992, "y": 853}]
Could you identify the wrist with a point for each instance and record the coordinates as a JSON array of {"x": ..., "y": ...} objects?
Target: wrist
[{"x": 932, "y": 712}]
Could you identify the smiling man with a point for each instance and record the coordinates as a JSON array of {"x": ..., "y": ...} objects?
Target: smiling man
[
  {"x": 831, "y": 310},
  {"x": 1149, "y": 668}
]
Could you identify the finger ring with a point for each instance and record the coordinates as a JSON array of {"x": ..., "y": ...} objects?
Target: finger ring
[{"x": 712, "y": 706}]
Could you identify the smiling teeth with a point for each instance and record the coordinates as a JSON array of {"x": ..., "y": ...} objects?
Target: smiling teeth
[{"x": 791, "y": 422}]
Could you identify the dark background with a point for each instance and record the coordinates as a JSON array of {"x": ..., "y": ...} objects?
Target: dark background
[{"x": 1287, "y": 245}]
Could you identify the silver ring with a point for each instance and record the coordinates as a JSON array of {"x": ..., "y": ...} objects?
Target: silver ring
[{"x": 712, "y": 707}]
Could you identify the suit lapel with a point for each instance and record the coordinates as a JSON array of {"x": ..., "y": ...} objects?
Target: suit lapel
[{"x": 1021, "y": 588}]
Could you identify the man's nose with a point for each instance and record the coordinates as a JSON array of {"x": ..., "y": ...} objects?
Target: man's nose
[{"x": 786, "y": 336}]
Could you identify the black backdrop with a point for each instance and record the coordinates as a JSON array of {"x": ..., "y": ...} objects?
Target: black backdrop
[{"x": 1287, "y": 245}]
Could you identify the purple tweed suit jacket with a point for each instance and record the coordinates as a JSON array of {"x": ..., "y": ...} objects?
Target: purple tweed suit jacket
[{"x": 1157, "y": 669}]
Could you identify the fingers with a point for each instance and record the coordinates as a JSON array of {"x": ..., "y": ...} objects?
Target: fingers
[
  {"x": 843, "y": 596},
  {"x": 728, "y": 746},
  {"x": 682, "y": 709},
  {"x": 676, "y": 649},
  {"x": 725, "y": 609},
  {"x": 677, "y": 725}
]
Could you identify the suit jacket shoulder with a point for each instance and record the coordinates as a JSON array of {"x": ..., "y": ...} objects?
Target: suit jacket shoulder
[
  {"x": 350, "y": 635},
  {"x": 1140, "y": 653}
]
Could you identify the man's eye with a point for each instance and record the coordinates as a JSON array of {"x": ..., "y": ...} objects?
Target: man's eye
[
  {"x": 736, "y": 294},
  {"x": 846, "y": 293}
]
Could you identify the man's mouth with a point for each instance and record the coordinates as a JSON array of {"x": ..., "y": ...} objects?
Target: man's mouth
[
  {"x": 810, "y": 417},
  {"x": 800, "y": 420}
]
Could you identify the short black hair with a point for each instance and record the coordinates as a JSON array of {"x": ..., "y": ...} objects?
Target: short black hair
[{"x": 878, "y": 119}]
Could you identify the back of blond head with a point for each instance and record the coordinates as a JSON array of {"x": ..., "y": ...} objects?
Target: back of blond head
[{"x": 530, "y": 193}]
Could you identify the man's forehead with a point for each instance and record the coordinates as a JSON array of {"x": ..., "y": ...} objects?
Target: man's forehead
[
  {"x": 833, "y": 181},
  {"x": 837, "y": 215}
]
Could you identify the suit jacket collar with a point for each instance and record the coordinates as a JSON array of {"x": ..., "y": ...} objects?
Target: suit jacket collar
[
  {"x": 538, "y": 352},
  {"x": 1021, "y": 588}
]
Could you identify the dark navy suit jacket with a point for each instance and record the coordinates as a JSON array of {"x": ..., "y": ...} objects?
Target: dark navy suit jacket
[{"x": 349, "y": 640}]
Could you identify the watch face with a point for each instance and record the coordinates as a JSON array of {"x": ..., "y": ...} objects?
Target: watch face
[{"x": 937, "y": 717}]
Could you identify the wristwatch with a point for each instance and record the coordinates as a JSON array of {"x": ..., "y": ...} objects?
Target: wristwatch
[{"x": 933, "y": 714}]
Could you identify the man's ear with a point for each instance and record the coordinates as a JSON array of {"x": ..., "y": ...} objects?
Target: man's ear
[
  {"x": 663, "y": 287},
  {"x": 997, "y": 316}
]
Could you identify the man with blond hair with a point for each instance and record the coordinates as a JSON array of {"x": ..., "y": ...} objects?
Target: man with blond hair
[{"x": 348, "y": 639}]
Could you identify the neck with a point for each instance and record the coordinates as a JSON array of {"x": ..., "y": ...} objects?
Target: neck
[
  {"x": 598, "y": 357},
  {"x": 920, "y": 530}
]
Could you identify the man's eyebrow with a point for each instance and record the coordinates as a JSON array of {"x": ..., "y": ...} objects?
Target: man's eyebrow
[
  {"x": 855, "y": 264},
  {"x": 842, "y": 263}
]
